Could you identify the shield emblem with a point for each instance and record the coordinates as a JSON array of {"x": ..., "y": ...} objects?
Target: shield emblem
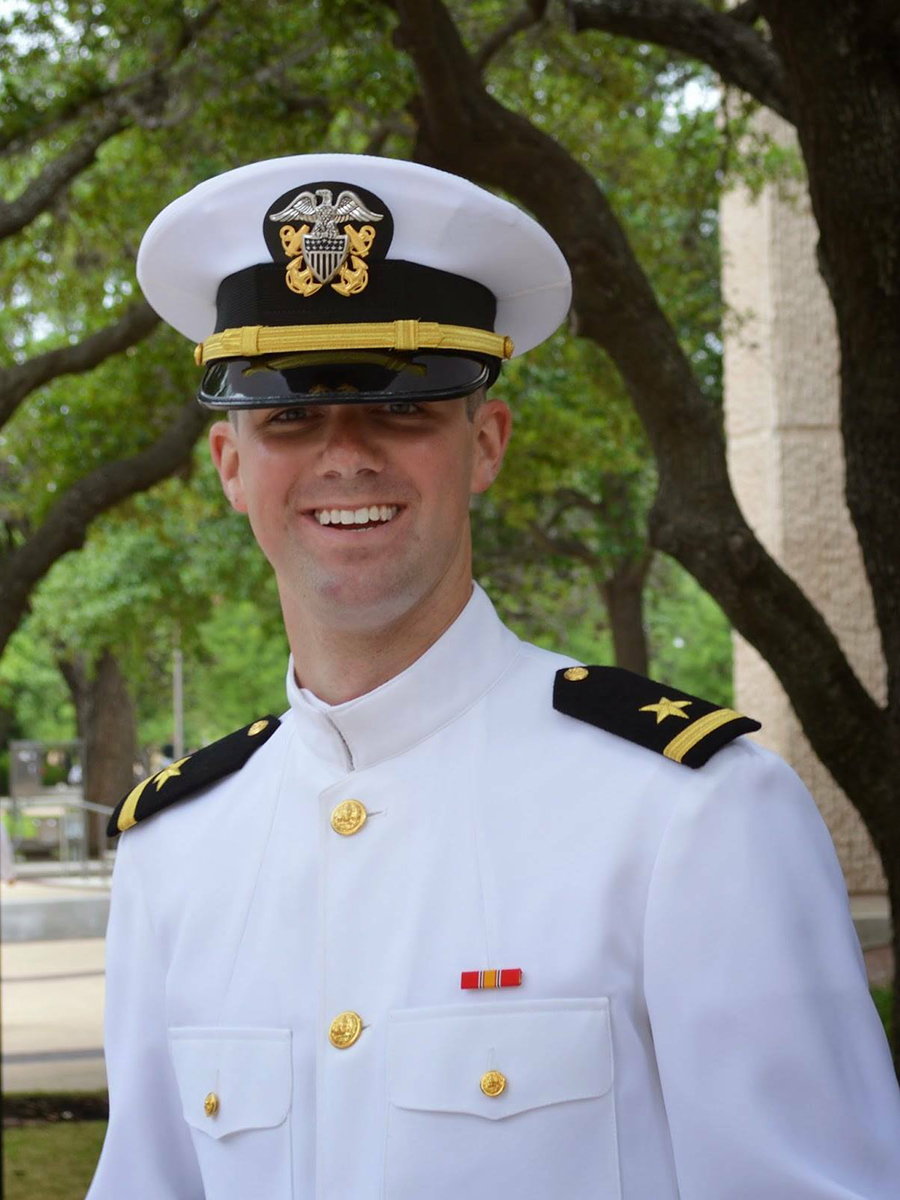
[{"x": 325, "y": 255}]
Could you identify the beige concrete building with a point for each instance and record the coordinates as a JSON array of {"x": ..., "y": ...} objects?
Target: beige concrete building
[{"x": 786, "y": 461}]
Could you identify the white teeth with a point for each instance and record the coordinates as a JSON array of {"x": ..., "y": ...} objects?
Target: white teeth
[{"x": 356, "y": 516}]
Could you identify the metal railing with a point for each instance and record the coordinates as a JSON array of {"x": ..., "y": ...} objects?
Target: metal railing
[{"x": 50, "y": 831}]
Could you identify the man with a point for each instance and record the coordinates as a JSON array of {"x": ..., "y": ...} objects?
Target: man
[{"x": 469, "y": 917}]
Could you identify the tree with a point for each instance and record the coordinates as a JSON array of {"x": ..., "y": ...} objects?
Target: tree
[
  {"x": 100, "y": 128},
  {"x": 573, "y": 491},
  {"x": 831, "y": 69},
  {"x": 149, "y": 577},
  {"x": 107, "y": 111}
]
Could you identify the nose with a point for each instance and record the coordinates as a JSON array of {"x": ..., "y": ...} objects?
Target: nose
[{"x": 348, "y": 446}]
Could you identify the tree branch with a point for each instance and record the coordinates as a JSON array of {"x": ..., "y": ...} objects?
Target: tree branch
[
  {"x": 49, "y": 120},
  {"x": 747, "y": 11},
  {"x": 531, "y": 14},
  {"x": 139, "y": 99},
  {"x": 723, "y": 41},
  {"x": 17, "y": 382},
  {"x": 567, "y": 547},
  {"x": 695, "y": 516},
  {"x": 57, "y": 175},
  {"x": 66, "y": 525}
]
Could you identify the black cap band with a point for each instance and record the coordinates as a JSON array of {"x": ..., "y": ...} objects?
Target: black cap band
[{"x": 398, "y": 290}]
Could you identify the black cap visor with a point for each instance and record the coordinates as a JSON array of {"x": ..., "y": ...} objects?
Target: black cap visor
[{"x": 344, "y": 377}]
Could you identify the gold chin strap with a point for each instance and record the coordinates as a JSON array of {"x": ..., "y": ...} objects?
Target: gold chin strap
[{"x": 252, "y": 340}]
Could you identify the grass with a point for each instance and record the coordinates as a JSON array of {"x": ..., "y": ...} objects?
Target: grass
[
  {"x": 52, "y": 1160},
  {"x": 883, "y": 998}
]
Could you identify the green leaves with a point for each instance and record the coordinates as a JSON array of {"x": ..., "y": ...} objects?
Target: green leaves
[{"x": 202, "y": 89}]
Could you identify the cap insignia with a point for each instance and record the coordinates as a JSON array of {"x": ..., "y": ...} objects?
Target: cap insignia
[{"x": 317, "y": 250}]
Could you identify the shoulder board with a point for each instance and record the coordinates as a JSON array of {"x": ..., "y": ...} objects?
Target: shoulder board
[
  {"x": 180, "y": 779},
  {"x": 682, "y": 727}
]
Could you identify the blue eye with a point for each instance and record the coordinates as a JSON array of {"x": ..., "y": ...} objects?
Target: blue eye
[
  {"x": 288, "y": 415},
  {"x": 401, "y": 408}
]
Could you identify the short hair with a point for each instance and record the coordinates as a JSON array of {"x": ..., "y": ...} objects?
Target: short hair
[{"x": 474, "y": 402}]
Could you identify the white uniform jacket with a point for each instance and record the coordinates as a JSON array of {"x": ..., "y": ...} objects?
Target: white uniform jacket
[{"x": 693, "y": 1019}]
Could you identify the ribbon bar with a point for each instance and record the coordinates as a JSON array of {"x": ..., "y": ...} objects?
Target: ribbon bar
[{"x": 491, "y": 979}]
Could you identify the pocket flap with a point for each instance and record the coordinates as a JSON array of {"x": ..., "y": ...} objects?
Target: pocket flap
[
  {"x": 247, "y": 1070},
  {"x": 549, "y": 1051}
]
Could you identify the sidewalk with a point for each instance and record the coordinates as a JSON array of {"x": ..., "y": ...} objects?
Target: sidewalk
[
  {"x": 54, "y": 907},
  {"x": 53, "y": 1015}
]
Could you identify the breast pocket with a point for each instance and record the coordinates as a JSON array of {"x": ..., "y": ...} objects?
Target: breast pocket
[
  {"x": 235, "y": 1087},
  {"x": 512, "y": 1095}
]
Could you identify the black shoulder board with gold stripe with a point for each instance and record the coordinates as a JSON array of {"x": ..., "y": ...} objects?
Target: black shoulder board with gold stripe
[
  {"x": 188, "y": 775},
  {"x": 682, "y": 727}
]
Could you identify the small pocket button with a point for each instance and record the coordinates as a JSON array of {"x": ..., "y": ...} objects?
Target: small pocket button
[{"x": 493, "y": 1083}]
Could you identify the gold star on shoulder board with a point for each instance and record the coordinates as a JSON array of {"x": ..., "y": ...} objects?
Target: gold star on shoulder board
[
  {"x": 169, "y": 772},
  {"x": 667, "y": 708}
]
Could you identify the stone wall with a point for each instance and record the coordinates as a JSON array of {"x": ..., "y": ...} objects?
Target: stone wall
[{"x": 786, "y": 462}]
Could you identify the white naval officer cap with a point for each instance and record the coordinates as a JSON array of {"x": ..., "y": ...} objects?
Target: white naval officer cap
[{"x": 343, "y": 278}]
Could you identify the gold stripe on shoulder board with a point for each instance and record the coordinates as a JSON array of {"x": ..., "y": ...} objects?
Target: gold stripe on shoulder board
[
  {"x": 688, "y": 738},
  {"x": 126, "y": 816}
]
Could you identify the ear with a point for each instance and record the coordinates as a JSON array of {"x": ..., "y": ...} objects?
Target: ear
[
  {"x": 225, "y": 452},
  {"x": 492, "y": 428}
]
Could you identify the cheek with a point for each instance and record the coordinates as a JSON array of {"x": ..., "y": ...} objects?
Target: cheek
[
  {"x": 443, "y": 481},
  {"x": 264, "y": 488}
]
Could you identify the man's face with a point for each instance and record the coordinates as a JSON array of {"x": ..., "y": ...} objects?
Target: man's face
[{"x": 305, "y": 475}]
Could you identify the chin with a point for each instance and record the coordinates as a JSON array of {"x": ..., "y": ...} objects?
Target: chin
[{"x": 358, "y": 601}]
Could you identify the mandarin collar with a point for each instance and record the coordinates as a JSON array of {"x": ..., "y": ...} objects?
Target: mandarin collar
[{"x": 452, "y": 674}]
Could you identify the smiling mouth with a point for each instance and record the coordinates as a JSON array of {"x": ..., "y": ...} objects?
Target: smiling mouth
[{"x": 357, "y": 519}]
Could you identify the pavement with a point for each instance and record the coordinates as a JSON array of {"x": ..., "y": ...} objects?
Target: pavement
[
  {"x": 55, "y": 908},
  {"x": 51, "y": 985},
  {"x": 52, "y": 1015}
]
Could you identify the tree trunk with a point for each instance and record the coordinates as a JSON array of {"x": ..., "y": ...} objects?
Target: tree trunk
[
  {"x": 891, "y": 862},
  {"x": 623, "y": 594},
  {"x": 106, "y": 725}
]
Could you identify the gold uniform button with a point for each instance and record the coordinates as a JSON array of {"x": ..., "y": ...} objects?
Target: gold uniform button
[
  {"x": 575, "y": 673},
  {"x": 257, "y": 727},
  {"x": 345, "y": 1030},
  {"x": 493, "y": 1083},
  {"x": 349, "y": 817},
  {"x": 211, "y": 1104}
]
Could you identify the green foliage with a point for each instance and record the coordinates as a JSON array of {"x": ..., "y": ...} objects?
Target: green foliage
[
  {"x": 689, "y": 635},
  {"x": 884, "y": 1001},
  {"x": 240, "y": 670},
  {"x": 33, "y": 689},
  {"x": 172, "y": 567},
  {"x": 272, "y": 78}
]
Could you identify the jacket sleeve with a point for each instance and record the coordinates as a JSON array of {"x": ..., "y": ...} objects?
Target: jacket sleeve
[
  {"x": 774, "y": 1067},
  {"x": 148, "y": 1153}
]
